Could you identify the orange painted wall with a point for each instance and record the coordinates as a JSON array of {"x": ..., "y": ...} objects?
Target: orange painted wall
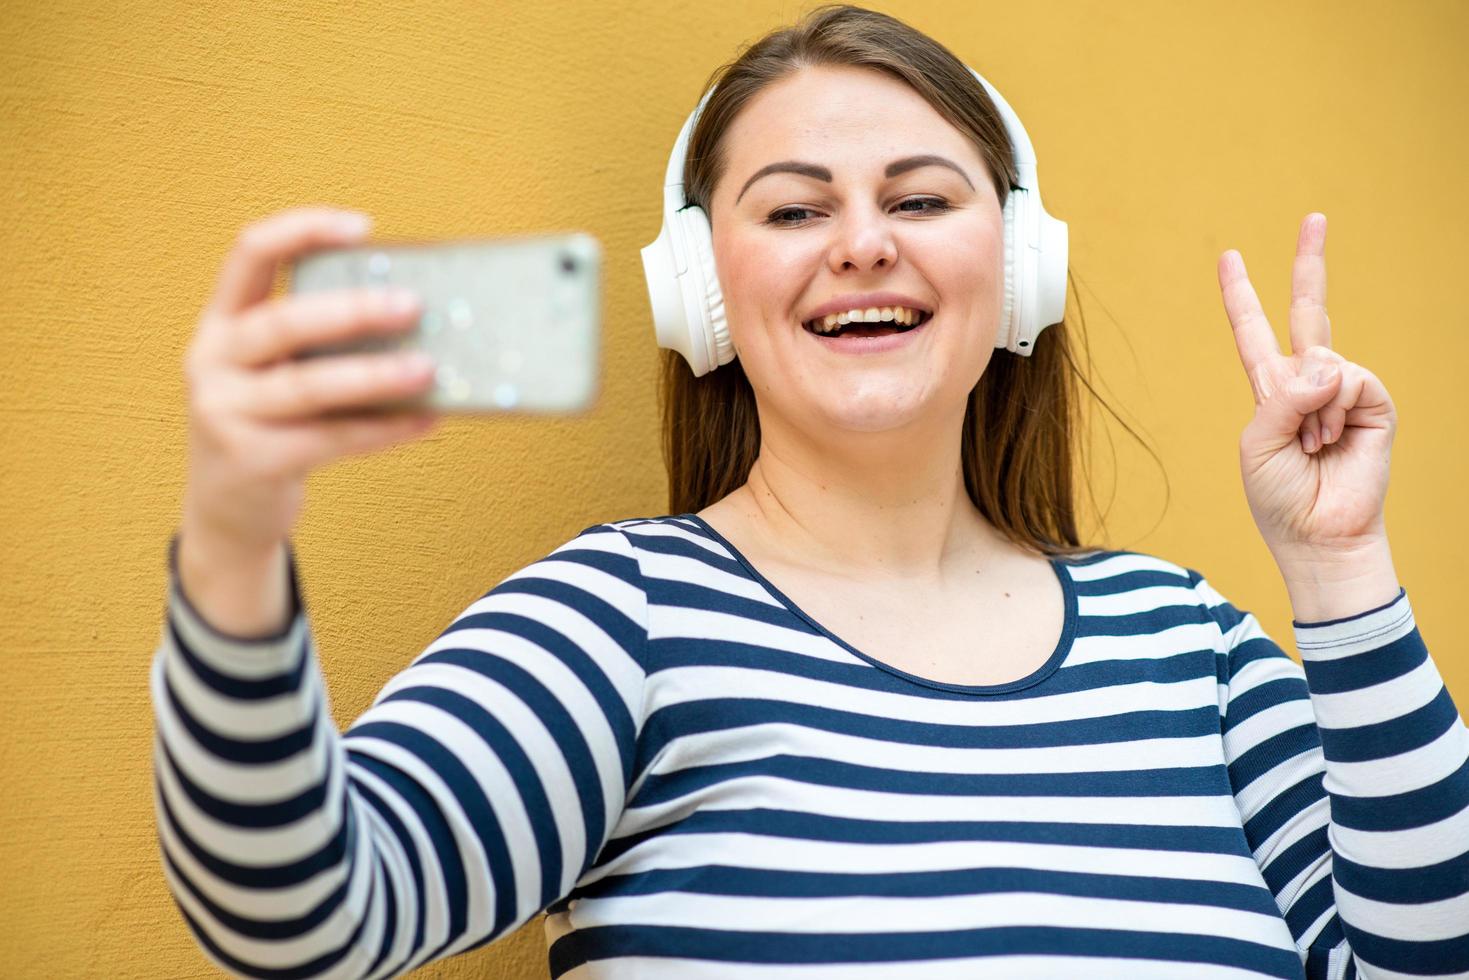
[{"x": 136, "y": 138}]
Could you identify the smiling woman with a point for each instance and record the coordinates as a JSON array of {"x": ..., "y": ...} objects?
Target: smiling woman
[
  {"x": 864, "y": 85},
  {"x": 862, "y": 704}
]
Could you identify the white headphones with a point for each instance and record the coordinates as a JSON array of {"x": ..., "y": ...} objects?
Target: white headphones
[{"x": 688, "y": 306}]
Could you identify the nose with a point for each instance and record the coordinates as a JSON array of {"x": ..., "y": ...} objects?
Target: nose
[{"x": 863, "y": 239}]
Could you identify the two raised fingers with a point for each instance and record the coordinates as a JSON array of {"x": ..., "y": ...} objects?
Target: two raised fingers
[{"x": 1310, "y": 328}]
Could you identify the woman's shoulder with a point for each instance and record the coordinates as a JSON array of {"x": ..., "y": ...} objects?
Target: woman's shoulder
[
  {"x": 1128, "y": 568},
  {"x": 625, "y": 545}
]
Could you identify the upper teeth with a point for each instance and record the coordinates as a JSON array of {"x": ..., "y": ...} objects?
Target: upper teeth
[{"x": 873, "y": 314}]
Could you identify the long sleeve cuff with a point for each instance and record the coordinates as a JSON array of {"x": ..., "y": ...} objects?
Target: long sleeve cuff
[{"x": 233, "y": 654}]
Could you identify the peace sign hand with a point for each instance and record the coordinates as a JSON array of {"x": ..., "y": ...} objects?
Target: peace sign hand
[{"x": 1322, "y": 494}]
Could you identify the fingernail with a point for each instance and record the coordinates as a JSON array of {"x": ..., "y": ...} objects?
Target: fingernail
[
  {"x": 400, "y": 300},
  {"x": 353, "y": 223},
  {"x": 1322, "y": 373},
  {"x": 1308, "y": 442},
  {"x": 1325, "y": 436},
  {"x": 416, "y": 364}
]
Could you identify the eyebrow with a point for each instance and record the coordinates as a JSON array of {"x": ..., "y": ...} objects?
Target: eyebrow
[{"x": 822, "y": 173}]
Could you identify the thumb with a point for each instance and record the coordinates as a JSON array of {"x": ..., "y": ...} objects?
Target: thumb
[{"x": 1282, "y": 414}]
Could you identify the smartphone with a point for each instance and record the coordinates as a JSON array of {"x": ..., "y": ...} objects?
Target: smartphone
[{"x": 513, "y": 324}]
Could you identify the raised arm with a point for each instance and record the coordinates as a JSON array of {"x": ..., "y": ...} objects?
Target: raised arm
[
  {"x": 472, "y": 794},
  {"x": 1352, "y": 780}
]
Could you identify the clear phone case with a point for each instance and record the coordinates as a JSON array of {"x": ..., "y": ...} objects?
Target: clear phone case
[{"x": 513, "y": 324}]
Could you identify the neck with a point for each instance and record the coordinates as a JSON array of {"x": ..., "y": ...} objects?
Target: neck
[{"x": 875, "y": 504}]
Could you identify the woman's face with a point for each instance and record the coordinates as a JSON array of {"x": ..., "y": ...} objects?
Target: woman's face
[{"x": 786, "y": 244}]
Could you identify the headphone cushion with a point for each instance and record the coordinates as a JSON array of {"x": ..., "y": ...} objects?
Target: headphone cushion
[
  {"x": 1009, "y": 327},
  {"x": 700, "y": 239}
]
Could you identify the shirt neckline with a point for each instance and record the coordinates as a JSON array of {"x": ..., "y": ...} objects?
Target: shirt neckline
[{"x": 1058, "y": 655}]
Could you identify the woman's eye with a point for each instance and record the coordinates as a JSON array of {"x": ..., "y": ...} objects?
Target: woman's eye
[
  {"x": 938, "y": 205},
  {"x": 933, "y": 205},
  {"x": 777, "y": 219}
]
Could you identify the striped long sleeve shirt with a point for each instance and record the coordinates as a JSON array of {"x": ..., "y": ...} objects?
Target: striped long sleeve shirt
[{"x": 639, "y": 736}]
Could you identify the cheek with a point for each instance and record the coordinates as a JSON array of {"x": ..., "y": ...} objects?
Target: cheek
[{"x": 760, "y": 285}]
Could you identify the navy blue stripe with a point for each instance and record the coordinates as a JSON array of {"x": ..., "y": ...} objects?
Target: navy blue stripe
[
  {"x": 1422, "y": 883},
  {"x": 1383, "y": 739},
  {"x": 310, "y": 968},
  {"x": 1309, "y": 906},
  {"x": 1286, "y": 805},
  {"x": 1285, "y": 866},
  {"x": 750, "y": 946},
  {"x": 255, "y": 816},
  {"x": 275, "y": 929},
  {"x": 1318, "y": 957},
  {"x": 626, "y": 633},
  {"x": 1261, "y": 759},
  {"x": 1367, "y": 668},
  {"x": 793, "y": 824},
  {"x": 1257, "y": 648},
  {"x": 1140, "y": 624},
  {"x": 503, "y": 745},
  {"x": 564, "y": 728},
  {"x": 1432, "y": 957},
  {"x": 717, "y": 714},
  {"x": 410, "y": 849},
  {"x": 726, "y": 880},
  {"x": 1164, "y": 783},
  {"x": 390, "y": 915},
  {"x": 471, "y": 798},
  {"x": 331, "y": 854},
  {"x": 436, "y": 826},
  {"x": 1404, "y": 811},
  {"x": 241, "y": 689},
  {"x": 1263, "y": 697},
  {"x": 689, "y": 595},
  {"x": 681, "y": 653},
  {"x": 246, "y": 751},
  {"x": 1136, "y": 578}
]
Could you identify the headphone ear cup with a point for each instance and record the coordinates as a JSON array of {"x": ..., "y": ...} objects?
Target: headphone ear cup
[
  {"x": 1005, "y": 336},
  {"x": 704, "y": 293}
]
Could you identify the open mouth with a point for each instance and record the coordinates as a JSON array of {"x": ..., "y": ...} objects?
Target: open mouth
[{"x": 865, "y": 329}]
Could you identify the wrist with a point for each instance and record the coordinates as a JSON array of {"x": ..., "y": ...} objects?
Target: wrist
[{"x": 1334, "y": 584}]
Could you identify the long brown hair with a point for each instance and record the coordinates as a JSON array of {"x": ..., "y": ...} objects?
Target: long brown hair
[{"x": 1022, "y": 419}]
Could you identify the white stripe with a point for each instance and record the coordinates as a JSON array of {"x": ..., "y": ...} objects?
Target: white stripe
[
  {"x": 867, "y": 913},
  {"x": 249, "y": 846},
  {"x": 1403, "y": 773},
  {"x": 236, "y": 718},
  {"x": 246, "y": 660}
]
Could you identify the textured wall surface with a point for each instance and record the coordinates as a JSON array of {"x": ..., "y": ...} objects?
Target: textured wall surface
[{"x": 136, "y": 138}]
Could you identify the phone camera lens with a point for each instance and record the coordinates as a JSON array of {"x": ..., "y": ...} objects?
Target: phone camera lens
[{"x": 568, "y": 263}]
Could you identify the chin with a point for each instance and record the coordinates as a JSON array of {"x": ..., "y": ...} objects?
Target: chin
[{"x": 875, "y": 411}]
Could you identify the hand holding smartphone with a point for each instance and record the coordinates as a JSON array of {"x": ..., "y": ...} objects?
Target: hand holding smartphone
[{"x": 512, "y": 324}]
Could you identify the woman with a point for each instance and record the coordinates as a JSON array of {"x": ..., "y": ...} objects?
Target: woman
[{"x": 862, "y": 705}]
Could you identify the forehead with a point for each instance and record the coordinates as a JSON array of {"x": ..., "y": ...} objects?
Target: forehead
[{"x": 821, "y": 113}]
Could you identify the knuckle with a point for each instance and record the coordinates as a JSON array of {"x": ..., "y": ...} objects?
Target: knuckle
[
  {"x": 251, "y": 238},
  {"x": 294, "y": 382}
]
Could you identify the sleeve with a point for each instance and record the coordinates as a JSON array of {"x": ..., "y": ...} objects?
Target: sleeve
[
  {"x": 1351, "y": 774},
  {"x": 472, "y": 794}
]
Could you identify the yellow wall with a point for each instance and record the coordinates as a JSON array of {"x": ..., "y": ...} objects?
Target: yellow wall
[{"x": 135, "y": 139}]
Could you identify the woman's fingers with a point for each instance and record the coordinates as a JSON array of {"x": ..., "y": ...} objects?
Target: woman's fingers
[
  {"x": 289, "y": 325},
  {"x": 1309, "y": 325},
  {"x": 317, "y": 386},
  {"x": 309, "y": 445},
  {"x": 248, "y": 270},
  {"x": 1253, "y": 336}
]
